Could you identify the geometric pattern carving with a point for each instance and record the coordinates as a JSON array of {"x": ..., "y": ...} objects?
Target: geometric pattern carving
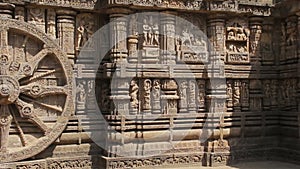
[{"x": 35, "y": 91}]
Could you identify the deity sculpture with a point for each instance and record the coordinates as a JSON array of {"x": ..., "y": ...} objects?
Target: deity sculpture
[
  {"x": 134, "y": 94},
  {"x": 156, "y": 94},
  {"x": 236, "y": 94}
]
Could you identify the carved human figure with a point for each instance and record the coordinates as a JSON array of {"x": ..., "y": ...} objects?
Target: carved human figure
[
  {"x": 134, "y": 102},
  {"x": 267, "y": 93},
  {"x": 236, "y": 94},
  {"x": 186, "y": 36},
  {"x": 229, "y": 94},
  {"x": 146, "y": 32},
  {"x": 192, "y": 92},
  {"x": 147, "y": 91},
  {"x": 36, "y": 15},
  {"x": 105, "y": 102},
  {"x": 183, "y": 94},
  {"x": 81, "y": 35},
  {"x": 19, "y": 13},
  {"x": 245, "y": 90},
  {"x": 81, "y": 94},
  {"x": 240, "y": 34},
  {"x": 156, "y": 89},
  {"x": 201, "y": 94},
  {"x": 291, "y": 37},
  {"x": 155, "y": 37},
  {"x": 51, "y": 24},
  {"x": 231, "y": 35},
  {"x": 85, "y": 29}
]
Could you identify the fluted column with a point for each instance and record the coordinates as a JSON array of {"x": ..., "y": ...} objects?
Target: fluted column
[
  {"x": 168, "y": 54},
  {"x": 118, "y": 34},
  {"x": 65, "y": 29}
]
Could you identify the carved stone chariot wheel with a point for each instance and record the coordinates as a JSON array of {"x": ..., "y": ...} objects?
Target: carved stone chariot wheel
[{"x": 35, "y": 91}]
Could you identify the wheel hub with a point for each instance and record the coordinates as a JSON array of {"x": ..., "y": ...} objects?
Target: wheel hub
[{"x": 9, "y": 89}]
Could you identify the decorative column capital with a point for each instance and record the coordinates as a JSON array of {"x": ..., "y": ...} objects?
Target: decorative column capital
[{"x": 6, "y": 10}]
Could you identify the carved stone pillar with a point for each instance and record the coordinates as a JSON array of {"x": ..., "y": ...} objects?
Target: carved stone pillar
[
  {"x": 298, "y": 35},
  {"x": 133, "y": 39},
  {"x": 255, "y": 24},
  {"x": 118, "y": 34},
  {"x": 266, "y": 45},
  {"x": 291, "y": 38},
  {"x": 120, "y": 96},
  {"x": 168, "y": 38},
  {"x": 215, "y": 32},
  {"x": 192, "y": 96},
  {"x": 65, "y": 29},
  {"x": 6, "y": 10}
]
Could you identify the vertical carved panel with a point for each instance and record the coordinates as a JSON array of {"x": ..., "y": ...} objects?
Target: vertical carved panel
[
  {"x": 51, "y": 23},
  {"x": 36, "y": 16},
  {"x": 85, "y": 28},
  {"x": 201, "y": 97},
  {"x": 65, "y": 31},
  {"x": 20, "y": 13},
  {"x": 237, "y": 41}
]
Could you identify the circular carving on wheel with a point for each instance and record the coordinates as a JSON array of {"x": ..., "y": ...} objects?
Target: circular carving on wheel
[
  {"x": 35, "y": 91},
  {"x": 9, "y": 90}
]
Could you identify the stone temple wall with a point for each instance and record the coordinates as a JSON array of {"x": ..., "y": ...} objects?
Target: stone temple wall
[{"x": 127, "y": 84}]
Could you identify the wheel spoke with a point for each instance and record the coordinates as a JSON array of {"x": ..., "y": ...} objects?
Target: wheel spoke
[
  {"x": 5, "y": 122},
  {"x": 27, "y": 111},
  {"x": 22, "y": 135},
  {"x": 36, "y": 91},
  {"x": 52, "y": 107},
  {"x": 28, "y": 68},
  {"x": 49, "y": 72}
]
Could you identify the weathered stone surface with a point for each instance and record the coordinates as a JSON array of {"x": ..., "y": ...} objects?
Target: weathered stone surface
[{"x": 206, "y": 82}]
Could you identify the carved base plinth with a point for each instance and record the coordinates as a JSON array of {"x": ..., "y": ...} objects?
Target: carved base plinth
[
  {"x": 161, "y": 160},
  {"x": 219, "y": 159},
  {"x": 193, "y": 54},
  {"x": 150, "y": 54},
  {"x": 133, "y": 111}
]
